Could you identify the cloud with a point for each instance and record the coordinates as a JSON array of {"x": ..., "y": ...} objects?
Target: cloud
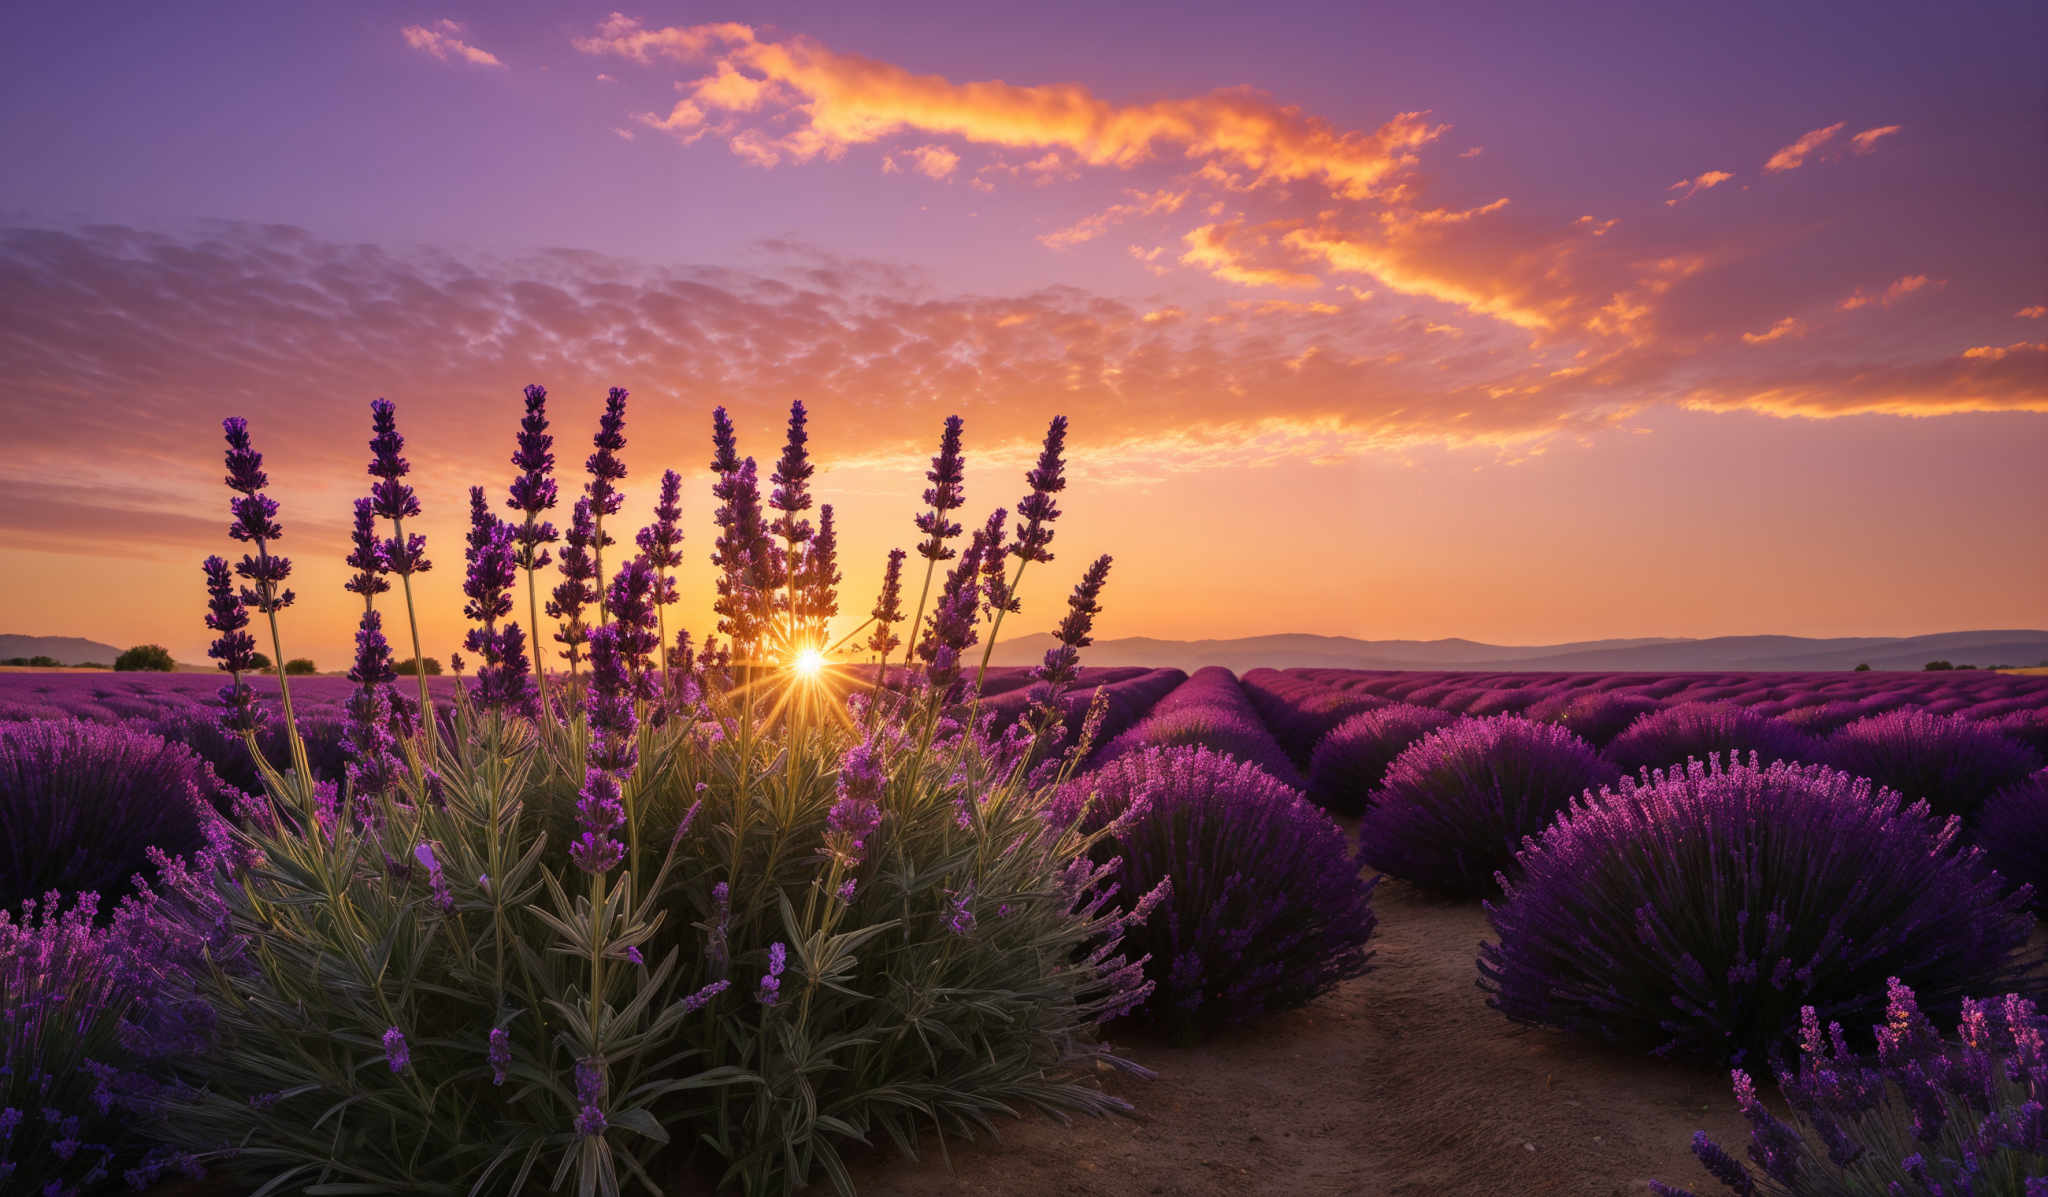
[
  {"x": 1898, "y": 290},
  {"x": 442, "y": 41},
  {"x": 1867, "y": 140},
  {"x": 1788, "y": 327},
  {"x": 826, "y": 101},
  {"x": 1984, "y": 378},
  {"x": 1225, "y": 250},
  {"x": 934, "y": 161},
  {"x": 1704, "y": 181},
  {"x": 2032, "y": 312},
  {"x": 1141, "y": 203},
  {"x": 1794, "y": 156}
]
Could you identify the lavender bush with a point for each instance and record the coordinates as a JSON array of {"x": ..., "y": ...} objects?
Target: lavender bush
[
  {"x": 81, "y": 804},
  {"x": 1458, "y": 802},
  {"x": 1924, "y": 1116},
  {"x": 1210, "y": 708},
  {"x": 1267, "y": 909},
  {"x": 688, "y": 907},
  {"x": 1696, "y": 912},
  {"x": 1352, "y": 760},
  {"x": 1951, "y": 762},
  {"x": 2012, "y": 828},
  {"x": 1698, "y": 730},
  {"x": 1596, "y": 718}
]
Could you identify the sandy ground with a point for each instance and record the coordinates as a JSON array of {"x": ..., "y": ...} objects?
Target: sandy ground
[{"x": 1400, "y": 1083}]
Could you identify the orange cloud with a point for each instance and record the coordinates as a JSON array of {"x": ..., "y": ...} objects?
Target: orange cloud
[
  {"x": 1141, "y": 204},
  {"x": 1227, "y": 250},
  {"x": 1867, "y": 140},
  {"x": 1794, "y": 156},
  {"x": 836, "y": 100},
  {"x": 935, "y": 161},
  {"x": 1788, "y": 327},
  {"x": 441, "y": 41},
  {"x": 1985, "y": 378},
  {"x": 1898, "y": 290},
  {"x": 2032, "y": 312},
  {"x": 1701, "y": 182}
]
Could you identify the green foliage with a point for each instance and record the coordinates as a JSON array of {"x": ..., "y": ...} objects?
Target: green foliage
[
  {"x": 1935, "y": 666},
  {"x": 1863, "y": 668},
  {"x": 962, "y": 975},
  {"x": 411, "y": 668},
  {"x": 148, "y": 658},
  {"x": 301, "y": 667},
  {"x": 260, "y": 662}
]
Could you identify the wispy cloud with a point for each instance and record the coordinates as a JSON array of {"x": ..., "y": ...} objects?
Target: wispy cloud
[
  {"x": 1899, "y": 289},
  {"x": 1794, "y": 156},
  {"x": 1867, "y": 140},
  {"x": 1788, "y": 327},
  {"x": 443, "y": 39},
  {"x": 829, "y": 101},
  {"x": 1704, "y": 181}
]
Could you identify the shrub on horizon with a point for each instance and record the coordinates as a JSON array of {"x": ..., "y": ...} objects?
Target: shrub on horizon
[
  {"x": 151, "y": 658},
  {"x": 1457, "y": 803},
  {"x": 301, "y": 667},
  {"x": 82, "y": 803},
  {"x": 1922, "y": 1115},
  {"x": 1951, "y": 762},
  {"x": 1351, "y": 761},
  {"x": 409, "y": 667},
  {"x": 1695, "y": 913},
  {"x": 1696, "y": 731},
  {"x": 1267, "y": 910}
]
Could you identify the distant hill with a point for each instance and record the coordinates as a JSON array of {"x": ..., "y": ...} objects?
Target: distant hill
[
  {"x": 69, "y": 650},
  {"x": 1672, "y": 653}
]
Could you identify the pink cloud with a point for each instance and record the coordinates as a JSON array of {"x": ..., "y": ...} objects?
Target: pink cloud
[
  {"x": 1867, "y": 140},
  {"x": 1794, "y": 156},
  {"x": 1704, "y": 181},
  {"x": 442, "y": 40}
]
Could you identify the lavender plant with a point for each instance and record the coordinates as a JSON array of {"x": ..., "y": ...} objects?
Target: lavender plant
[
  {"x": 1689, "y": 730},
  {"x": 1922, "y": 1116},
  {"x": 81, "y": 805},
  {"x": 1267, "y": 910},
  {"x": 1352, "y": 760},
  {"x": 712, "y": 915},
  {"x": 1458, "y": 802},
  {"x": 1694, "y": 913},
  {"x": 1951, "y": 762},
  {"x": 2012, "y": 828}
]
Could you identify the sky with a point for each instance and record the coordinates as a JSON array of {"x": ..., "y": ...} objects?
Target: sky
[{"x": 1523, "y": 325}]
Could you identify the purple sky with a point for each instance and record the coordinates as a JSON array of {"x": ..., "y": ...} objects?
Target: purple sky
[{"x": 1438, "y": 320}]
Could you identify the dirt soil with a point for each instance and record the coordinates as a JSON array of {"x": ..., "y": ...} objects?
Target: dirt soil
[{"x": 1401, "y": 1083}]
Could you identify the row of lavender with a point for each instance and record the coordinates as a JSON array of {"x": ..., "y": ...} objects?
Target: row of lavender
[{"x": 1732, "y": 867}]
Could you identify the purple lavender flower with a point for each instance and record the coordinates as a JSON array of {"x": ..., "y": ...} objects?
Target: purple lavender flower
[
  {"x": 995, "y": 578},
  {"x": 770, "y": 991},
  {"x": 792, "y": 480},
  {"x": 234, "y": 650},
  {"x": 718, "y": 947},
  {"x": 394, "y": 499},
  {"x": 533, "y": 490},
  {"x": 950, "y": 631},
  {"x": 396, "y": 1051},
  {"x": 437, "y": 881},
  {"x": 661, "y": 541},
  {"x": 499, "y": 1055},
  {"x": 817, "y": 588},
  {"x": 502, "y": 682},
  {"x": 612, "y": 756},
  {"x": 632, "y": 598},
  {"x": 947, "y": 472},
  {"x": 590, "y": 1119},
  {"x": 961, "y": 921},
  {"x": 888, "y": 610},
  {"x": 1037, "y": 510},
  {"x": 371, "y": 766},
  {"x": 604, "y": 465},
  {"x": 366, "y": 554},
  {"x": 857, "y": 812},
  {"x": 750, "y": 568},
  {"x": 255, "y": 522},
  {"x": 577, "y": 589},
  {"x": 1063, "y": 663},
  {"x": 702, "y": 998}
]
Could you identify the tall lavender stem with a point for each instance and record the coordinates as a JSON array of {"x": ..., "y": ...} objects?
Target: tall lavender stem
[
  {"x": 532, "y": 493},
  {"x": 605, "y": 471},
  {"x": 406, "y": 555}
]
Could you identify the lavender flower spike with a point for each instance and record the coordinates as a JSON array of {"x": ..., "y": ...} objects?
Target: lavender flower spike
[
  {"x": 234, "y": 650},
  {"x": 612, "y": 757},
  {"x": 255, "y": 522},
  {"x": 394, "y": 499},
  {"x": 533, "y": 491},
  {"x": 502, "y": 681},
  {"x": 397, "y": 1052},
  {"x": 1063, "y": 662},
  {"x": 1036, "y": 511},
  {"x": 888, "y": 610},
  {"x": 945, "y": 494},
  {"x": 771, "y": 981},
  {"x": 606, "y": 470},
  {"x": 950, "y": 631},
  {"x": 792, "y": 478},
  {"x": 577, "y": 589},
  {"x": 366, "y": 555},
  {"x": 661, "y": 547}
]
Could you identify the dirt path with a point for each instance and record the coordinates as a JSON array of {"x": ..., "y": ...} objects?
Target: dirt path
[{"x": 1402, "y": 1083}]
